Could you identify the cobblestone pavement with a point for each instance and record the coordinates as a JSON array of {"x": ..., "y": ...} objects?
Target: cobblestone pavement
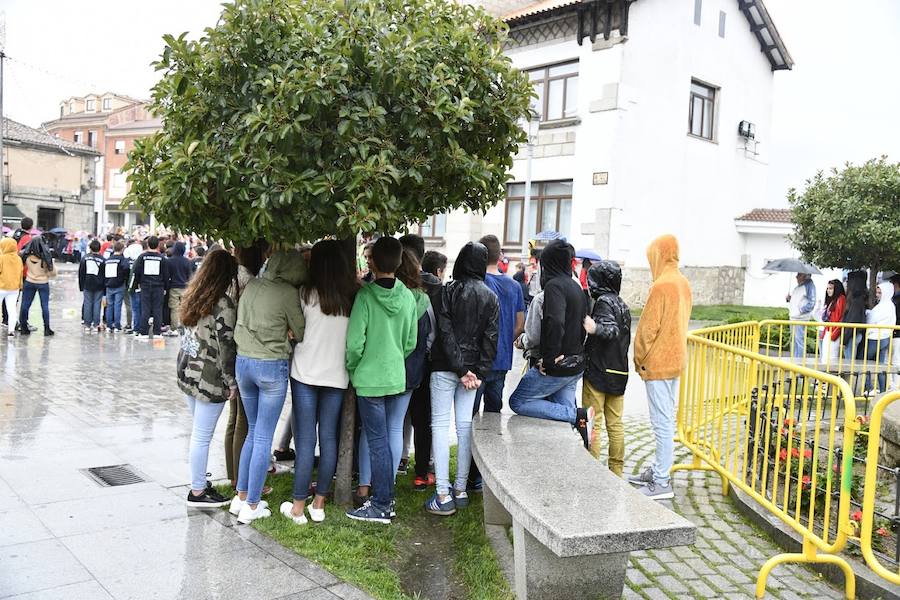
[
  {"x": 729, "y": 551},
  {"x": 72, "y": 401}
]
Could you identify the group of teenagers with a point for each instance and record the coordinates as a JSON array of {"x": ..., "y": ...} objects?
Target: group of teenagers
[{"x": 258, "y": 325}]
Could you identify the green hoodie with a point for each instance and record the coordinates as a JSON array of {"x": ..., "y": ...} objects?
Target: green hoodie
[
  {"x": 270, "y": 306},
  {"x": 382, "y": 333}
]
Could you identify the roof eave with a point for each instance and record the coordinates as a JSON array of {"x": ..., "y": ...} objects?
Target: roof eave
[{"x": 758, "y": 16}]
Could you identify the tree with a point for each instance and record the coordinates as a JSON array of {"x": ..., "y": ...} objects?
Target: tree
[
  {"x": 291, "y": 120},
  {"x": 851, "y": 218}
]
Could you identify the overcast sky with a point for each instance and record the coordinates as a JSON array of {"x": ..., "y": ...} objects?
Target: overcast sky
[{"x": 840, "y": 102}]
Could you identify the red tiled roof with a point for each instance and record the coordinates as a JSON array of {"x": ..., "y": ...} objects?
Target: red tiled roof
[{"x": 767, "y": 215}]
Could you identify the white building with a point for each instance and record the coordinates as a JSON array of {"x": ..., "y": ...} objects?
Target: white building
[{"x": 640, "y": 102}]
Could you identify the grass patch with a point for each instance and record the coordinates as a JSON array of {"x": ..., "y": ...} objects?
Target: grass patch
[
  {"x": 730, "y": 313},
  {"x": 374, "y": 557}
]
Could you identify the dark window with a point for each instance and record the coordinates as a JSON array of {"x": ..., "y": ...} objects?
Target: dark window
[
  {"x": 92, "y": 139},
  {"x": 550, "y": 210},
  {"x": 434, "y": 227},
  {"x": 556, "y": 87},
  {"x": 701, "y": 115},
  {"x": 721, "y": 23},
  {"x": 698, "y": 8},
  {"x": 48, "y": 218}
]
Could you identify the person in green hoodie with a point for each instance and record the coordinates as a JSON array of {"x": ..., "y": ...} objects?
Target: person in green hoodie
[
  {"x": 409, "y": 274},
  {"x": 382, "y": 333},
  {"x": 269, "y": 316}
]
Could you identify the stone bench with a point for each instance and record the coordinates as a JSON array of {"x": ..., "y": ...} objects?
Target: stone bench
[{"x": 574, "y": 522}]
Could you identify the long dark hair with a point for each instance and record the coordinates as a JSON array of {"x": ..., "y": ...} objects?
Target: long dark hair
[
  {"x": 857, "y": 297},
  {"x": 409, "y": 272},
  {"x": 217, "y": 273},
  {"x": 252, "y": 257},
  {"x": 838, "y": 292},
  {"x": 331, "y": 277}
]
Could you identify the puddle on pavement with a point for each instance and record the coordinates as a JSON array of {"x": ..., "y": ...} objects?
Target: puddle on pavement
[{"x": 427, "y": 572}]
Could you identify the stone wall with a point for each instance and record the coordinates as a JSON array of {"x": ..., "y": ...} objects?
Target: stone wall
[{"x": 710, "y": 285}]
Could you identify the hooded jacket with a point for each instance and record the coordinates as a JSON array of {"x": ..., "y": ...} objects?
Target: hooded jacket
[
  {"x": 884, "y": 314},
  {"x": 565, "y": 306},
  {"x": 382, "y": 333},
  {"x": 270, "y": 306},
  {"x": 10, "y": 265},
  {"x": 180, "y": 267},
  {"x": 660, "y": 344},
  {"x": 468, "y": 317},
  {"x": 607, "y": 348}
]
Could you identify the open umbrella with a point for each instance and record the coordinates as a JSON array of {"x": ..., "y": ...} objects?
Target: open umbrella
[
  {"x": 6, "y": 229},
  {"x": 790, "y": 265},
  {"x": 546, "y": 236},
  {"x": 587, "y": 253},
  {"x": 58, "y": 231},
  {"x": 34, "y": 231}
]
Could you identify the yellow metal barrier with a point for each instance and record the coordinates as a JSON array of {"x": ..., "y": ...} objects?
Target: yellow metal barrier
[
  {"x": 770, "y": 428},
  {"x": 868, "y": 508}
]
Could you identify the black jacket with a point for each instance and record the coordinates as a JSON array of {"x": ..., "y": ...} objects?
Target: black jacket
[
  {"x": 565, "y": 306},
  {"x": 606, "y": 350},
  {"x": 115, "y": 271},
  {"x": 90, "y": 273},
  {"x": 467, "y": 315},
  {"x": 180, "y": 267},
  {"x": 151, "y": 269}
]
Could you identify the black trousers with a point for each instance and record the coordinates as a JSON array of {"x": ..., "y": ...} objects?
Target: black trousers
[
  {"x": 152, "y": 306},
  {"x": 420, "y": 415}
]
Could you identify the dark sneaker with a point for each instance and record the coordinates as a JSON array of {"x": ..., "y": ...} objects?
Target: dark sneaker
[
  {"x": 461, "y": 499},
  {"x": 48, "y": 331},
  {"x": 25, "y": 330},
  {"x": 475, "y": 487},
  {"x": 655, "y": 491},
  {"x": 420, "y": 484},
  {"x": 368, "y": 512},
  {"x": 643, "y": 478},
  {"x": 281, "y": 455},
  {"x": 359, "y": 501},
  {"x": 436, "y": 507},
  {"x": 403, "y": 468},
  {"x": 210, "y": 498},
  {"x": 584, "y": 424},
  {"x": 392, "y": 510}
]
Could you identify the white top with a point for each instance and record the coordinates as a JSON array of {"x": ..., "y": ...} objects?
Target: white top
[
  {"x": 883, "y": 314},
  {"x": 319, "y": 358},
  {"x": 133, "y": 251}
]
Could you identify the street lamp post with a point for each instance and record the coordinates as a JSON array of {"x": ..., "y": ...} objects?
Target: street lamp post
[{"x": 533, "y": 123}]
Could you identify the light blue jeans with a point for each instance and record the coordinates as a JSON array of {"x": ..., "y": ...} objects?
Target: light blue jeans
[
  {"x": 395, "y": 412},
  {"x": 263, "y": 385},
  {"x": 91, "y": 307},
  {"x": 545, "y": 396},
  {"x": 798, "y": 346},
  {"x": 206, "y": 415},
  {"x": 315, "y": 405},
  {"x": 446, "y": 392},
  {"x": 661, "y": 395}
]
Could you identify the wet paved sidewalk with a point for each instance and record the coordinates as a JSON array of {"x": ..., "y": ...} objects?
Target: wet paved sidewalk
[{"x": 71, "y": 402}]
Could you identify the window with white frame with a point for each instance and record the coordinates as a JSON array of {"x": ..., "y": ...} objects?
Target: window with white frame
[
  {"x": 434, "y": 227},
  {"x": 120, "y": 146},
  {"x": 701, "y": 113},
  {"x": 117, "y": 183},
  {"x": 71, "y": 107},
  {"x": 550, "y": 209},
  {"x": 90, "y": 105},
  {"x": 107, "y": 104},
  {"x": 92, "y": 139},
  {"x": 556, "y": 87},
  {"x": 79, "y": 135}
]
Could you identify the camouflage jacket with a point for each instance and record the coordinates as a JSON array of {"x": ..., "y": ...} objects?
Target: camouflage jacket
[{"x": 207, "y": 356}]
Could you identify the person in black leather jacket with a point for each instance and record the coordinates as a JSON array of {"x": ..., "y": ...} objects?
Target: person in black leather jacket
[
  {"x": 606, "y": 353},
  {"x": 547, "y": 390},
  {"x": 467, "y": 329}
]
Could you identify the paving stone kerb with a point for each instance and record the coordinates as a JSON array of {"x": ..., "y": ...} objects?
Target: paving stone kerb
[{"x": 565, "y": 506}]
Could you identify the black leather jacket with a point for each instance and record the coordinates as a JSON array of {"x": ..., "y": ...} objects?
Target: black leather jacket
[
  {"x": 607, "y": 347},
  {"x": 467, "y": 318}
]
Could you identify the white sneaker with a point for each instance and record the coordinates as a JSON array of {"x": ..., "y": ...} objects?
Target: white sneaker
[
  {"x": 248, "y": 515},
  {"x": 316, "y": 514},
  {"x": 236, "y": 505},
  {"x": 286, "y": 511}
]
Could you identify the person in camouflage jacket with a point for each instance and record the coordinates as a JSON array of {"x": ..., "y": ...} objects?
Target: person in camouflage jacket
[{"x": 206, "y": 363}]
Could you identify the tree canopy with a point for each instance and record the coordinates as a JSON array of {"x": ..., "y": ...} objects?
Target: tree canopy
[
  {"x": 850, "y": 218},
  {"x": 295, "y": 119}
]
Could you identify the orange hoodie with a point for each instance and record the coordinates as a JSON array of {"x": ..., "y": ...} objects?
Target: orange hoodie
[
  {"x": 660, "y": 344},
  {"x": 10, "y": 265}
]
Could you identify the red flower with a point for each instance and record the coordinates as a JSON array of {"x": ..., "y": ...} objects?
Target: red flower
[
  {"x": 788, "y": 422},
  {"x": 783, "y": 454},
  {"x": 882, "y": 532},
  {"x": 807, "y": 480},
  {"x": 863, "y": 419},
  {"x": 807, "y": 453},
  {"x": 856, "y": 515},
  {"x": 795, "y": 452}
]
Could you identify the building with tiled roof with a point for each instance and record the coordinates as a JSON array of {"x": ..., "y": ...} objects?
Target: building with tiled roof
[{"x": 767, "y": 215}]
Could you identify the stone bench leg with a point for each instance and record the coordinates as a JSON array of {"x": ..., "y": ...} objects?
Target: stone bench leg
[
  {"x": 540, "y": 574},
  {"x": 494, "y": 512}
]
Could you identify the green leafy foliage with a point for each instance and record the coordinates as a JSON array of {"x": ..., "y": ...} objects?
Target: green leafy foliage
[
  {"x": 292, "y": 120},
  {"x": 848, "y": 219}
]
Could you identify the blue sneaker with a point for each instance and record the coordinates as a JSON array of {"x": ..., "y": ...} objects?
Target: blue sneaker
[
  {"x": 444, "y": 509},
  {"x": 368, "y": 512},
  {"x": 461, "y": 499}
]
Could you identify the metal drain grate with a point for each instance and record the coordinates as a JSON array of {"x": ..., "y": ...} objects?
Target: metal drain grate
[{"x": 114, "y": 475}]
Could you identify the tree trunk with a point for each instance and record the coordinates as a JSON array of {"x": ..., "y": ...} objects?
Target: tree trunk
[{"x": 343, "y": 487}]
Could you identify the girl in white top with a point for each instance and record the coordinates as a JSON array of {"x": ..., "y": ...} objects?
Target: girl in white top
[
  {"x": 878, "y": 339},
  {"x": 319, "y": 375}
]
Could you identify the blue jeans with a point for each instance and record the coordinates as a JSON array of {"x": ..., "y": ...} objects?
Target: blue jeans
[
  {"x": 395, "y": 413},
  {"x": 206, "y": 415},
  {"x": 446, "y": 392},
  {"x": 852, "y": 342},
  {"x": 492, "y": 391},
  {"x": 373, "y": 414},
  {"x": 313, "y": 404},
  {"x": 114, "y": 299},
  {"x": 661, "y": 396},
  {"x": 263, "y": 385},
  {"x": 91, "y": 307},
  {"x": 545, "y": 396},
  {"x": 28, "y": 292},
  {"x": 798, "y": 345},
  {"x": 877, "y": 349},
  {"x": 135, "y": 310}
]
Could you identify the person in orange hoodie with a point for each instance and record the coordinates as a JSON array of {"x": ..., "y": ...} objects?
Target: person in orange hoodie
[
  {"x": 660, "y": 348},
  {"x": 10, "y": 278}
]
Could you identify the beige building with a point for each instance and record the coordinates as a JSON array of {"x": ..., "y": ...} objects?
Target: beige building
[{"x": 48, "y": 179}]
